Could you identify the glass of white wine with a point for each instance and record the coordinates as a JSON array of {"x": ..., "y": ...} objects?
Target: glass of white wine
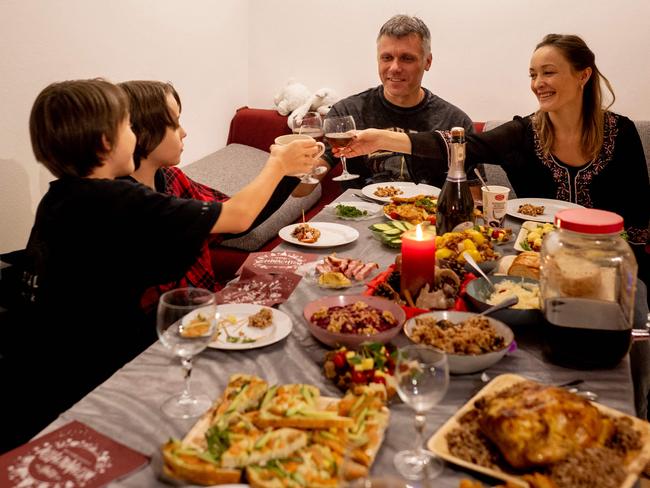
[
  {"x": 422, "y": 375},
  {"x": 186, "y": 322},
  {"x": 310, "y": 125}
]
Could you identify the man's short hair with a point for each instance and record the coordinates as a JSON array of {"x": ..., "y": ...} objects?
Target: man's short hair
[
  {"x": 69, "y": 121},
  {"x": 150, "y": 115},
  {"x": 404, "y": 25}
]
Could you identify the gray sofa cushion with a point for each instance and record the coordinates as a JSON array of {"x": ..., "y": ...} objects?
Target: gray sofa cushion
[
  {"x": 494, "y": 174},
  {"x": 229, "y": 169}
]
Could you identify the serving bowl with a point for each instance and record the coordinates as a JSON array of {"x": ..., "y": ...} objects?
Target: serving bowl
[
  {"x": 479, "y": 291},
  {"x": 467, "y": 363},
  {"x": 349, "y": 339}
]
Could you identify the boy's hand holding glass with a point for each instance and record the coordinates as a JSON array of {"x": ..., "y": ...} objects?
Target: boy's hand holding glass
[{"x": 299, "y": 154}]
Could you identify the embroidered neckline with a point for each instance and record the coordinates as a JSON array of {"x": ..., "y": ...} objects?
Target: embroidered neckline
[{"x": 583, "y": 179}]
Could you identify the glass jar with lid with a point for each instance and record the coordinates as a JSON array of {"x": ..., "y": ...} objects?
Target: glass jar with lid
[{"x": 587, "y": 284}]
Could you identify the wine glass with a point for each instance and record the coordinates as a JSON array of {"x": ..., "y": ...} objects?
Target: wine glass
[
  {"x": 311, "y": 125},
  {"x": 339, "y": 131},
  {"x": 186, "y": 323},
  {"x": 422, "y": 375}
]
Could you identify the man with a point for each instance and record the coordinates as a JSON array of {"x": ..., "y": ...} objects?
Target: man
[{"x": 400, "y": 103}]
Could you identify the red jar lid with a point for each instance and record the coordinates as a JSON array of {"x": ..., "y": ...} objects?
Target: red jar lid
[{"x": 589, "y": 221}]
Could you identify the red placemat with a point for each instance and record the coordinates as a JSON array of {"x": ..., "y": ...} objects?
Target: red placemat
[
  {"x": 72, "y": 456},
  {"x": 260, "y": 289},
  {"x": 274, "y": 262}
]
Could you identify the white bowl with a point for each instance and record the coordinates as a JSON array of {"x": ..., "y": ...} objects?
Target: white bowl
[{"x": 467, "y": 363}]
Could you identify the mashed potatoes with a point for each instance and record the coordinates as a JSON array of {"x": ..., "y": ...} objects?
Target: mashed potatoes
[{"x": 527, "y": 293}]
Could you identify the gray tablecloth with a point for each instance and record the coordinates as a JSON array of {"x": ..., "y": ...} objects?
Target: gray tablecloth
[{"x": 127, "y": 406}]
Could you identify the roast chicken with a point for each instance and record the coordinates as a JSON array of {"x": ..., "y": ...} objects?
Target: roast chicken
[{"x": 537, "y": 425}]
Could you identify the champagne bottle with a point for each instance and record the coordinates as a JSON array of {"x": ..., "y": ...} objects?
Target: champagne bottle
[{"x": 455, "y": 203}]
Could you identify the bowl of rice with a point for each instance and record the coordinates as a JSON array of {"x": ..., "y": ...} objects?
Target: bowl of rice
[
  {"x": 472, "y": 342},
  {"x": 526, "y": 312}
]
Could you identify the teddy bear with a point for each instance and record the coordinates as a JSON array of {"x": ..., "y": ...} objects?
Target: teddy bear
[
  {"x": 296, "y": 100},
  {"x": 292, "y": 96}
]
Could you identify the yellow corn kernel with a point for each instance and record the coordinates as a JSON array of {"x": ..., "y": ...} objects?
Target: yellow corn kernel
[{"x": 367, "y": 363}]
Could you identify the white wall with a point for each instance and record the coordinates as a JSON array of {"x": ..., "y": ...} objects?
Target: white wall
[
  {"x": 201, "y": 46},
  {"x": 222, "y": 54},
  {"x": 481, "y": 49}
]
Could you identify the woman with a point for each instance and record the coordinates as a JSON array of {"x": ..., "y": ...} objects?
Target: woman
[{"x": 571, "y": 149}]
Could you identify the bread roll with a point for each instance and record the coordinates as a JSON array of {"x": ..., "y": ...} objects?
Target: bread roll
[
  {"x": 578, "y": 277},
  {"x": 525, "y": 264}
]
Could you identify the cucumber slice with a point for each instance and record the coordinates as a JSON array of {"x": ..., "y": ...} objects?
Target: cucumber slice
[
  {"x": 393, "y": 232},
  {"x": 399, "y": 225},
  {"x": 381, "y": 227}
]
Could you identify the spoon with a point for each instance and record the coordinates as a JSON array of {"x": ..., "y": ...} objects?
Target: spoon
[
  {"x": 469, "y": 259},
  {"x": 504, "y": 304},
  {"x": 478, "y": 173}
]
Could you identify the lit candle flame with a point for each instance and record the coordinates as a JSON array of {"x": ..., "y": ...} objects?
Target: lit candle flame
[{"x": 418, "y": 232}]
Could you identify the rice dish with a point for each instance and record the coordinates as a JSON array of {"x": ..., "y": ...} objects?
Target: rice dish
[{"x": 527, "y": 293}]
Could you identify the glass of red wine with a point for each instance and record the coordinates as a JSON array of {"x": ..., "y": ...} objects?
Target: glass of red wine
[{"x": 339, "y": 131}]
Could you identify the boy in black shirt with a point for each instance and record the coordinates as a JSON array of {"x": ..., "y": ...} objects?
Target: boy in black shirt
[{"x": 98, "y": 243}]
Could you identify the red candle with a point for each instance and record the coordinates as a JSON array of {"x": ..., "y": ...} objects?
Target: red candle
[{"x": 418, "y": 259}]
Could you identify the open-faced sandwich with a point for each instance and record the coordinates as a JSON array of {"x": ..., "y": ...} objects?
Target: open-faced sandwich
[
  {"x": 279, "y": 436},
  {"x": 306, "y": 233}
]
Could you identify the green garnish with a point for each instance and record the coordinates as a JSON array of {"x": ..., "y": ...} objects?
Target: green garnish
[
  {"x": 525, "y": 246},
  {"x": 350, "y": 211},
  {"x": 218, "y": 441},
  {"x": 624, "y": 235}
]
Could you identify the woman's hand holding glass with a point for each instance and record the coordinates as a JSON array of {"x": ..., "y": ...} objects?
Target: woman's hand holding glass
[
  {"x": 186, "y": 322},
  {"x": 368, "y": 141},
  {"x": 422, "y": 375}
]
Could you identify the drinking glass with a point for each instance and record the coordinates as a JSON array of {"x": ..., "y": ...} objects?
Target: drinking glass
[
  {"x": 312, "y": 126},
  {"x": 339, "y": 131},
  {"x": 186, "y": 322},
  {"x": 422, "y": 375}
]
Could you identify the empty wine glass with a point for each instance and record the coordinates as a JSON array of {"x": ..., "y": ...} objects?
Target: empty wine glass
[
  {"x": 422, "y": 375},
  {"x": 186, "y": 323},
  {"x": 339, "y": 131},
  {"x": 311, "y": 125}
]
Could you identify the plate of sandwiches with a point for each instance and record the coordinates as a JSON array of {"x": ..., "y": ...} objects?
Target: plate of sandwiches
[
  {"x": 249, "y": 326},
  {"x": 280, "y": 435},
  {"x": 565, "y": 441},
  {"x": 318, "y": 234}
]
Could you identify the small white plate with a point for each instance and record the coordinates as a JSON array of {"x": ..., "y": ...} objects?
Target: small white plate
[
  {"x": 373, "y": 209},
  {"x": 310, "y": 274},
  {"x": 330, "y": 234},
  {"x": 409, "y": 189},
  {"x": 278, "y": 330},
  {"x": 551, "y": 207},
  {"x": 526, "y": 228}
]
